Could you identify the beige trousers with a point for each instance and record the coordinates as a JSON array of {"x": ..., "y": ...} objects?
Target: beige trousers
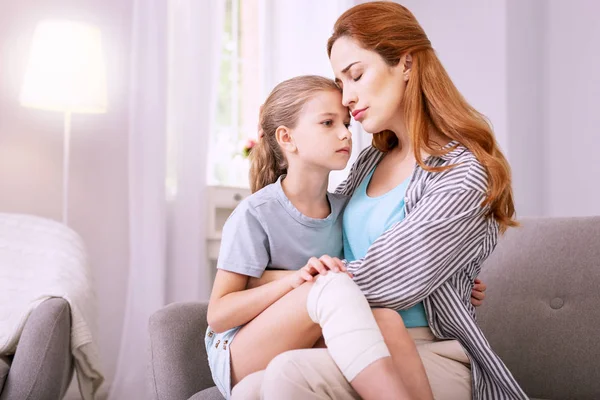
[{"x": 311, "y": 374}]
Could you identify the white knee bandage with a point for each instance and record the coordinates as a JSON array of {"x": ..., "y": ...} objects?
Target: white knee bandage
[{"x": 349, "y": 328}]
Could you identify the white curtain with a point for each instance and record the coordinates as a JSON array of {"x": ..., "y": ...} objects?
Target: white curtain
[{"x": 174, "y": 69}]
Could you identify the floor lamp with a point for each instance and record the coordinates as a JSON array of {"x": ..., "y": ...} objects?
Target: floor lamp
[{"x": 66, "y": 73}]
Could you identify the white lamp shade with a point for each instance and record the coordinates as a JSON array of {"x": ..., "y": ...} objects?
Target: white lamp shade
[{"x": 66, "y": 70}]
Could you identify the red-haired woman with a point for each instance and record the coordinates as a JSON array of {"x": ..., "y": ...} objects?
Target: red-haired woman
[{"x": 456, "y": 201}]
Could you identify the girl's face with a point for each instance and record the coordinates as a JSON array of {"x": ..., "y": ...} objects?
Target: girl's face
[
  {"x": 321, "y": 135},
  {"x": 372, "y": 90}
]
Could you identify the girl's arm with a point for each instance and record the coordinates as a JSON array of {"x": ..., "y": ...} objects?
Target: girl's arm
[
  {"x": 267, "y": 277},
  {"x": 273, "y": 275},
  {"x": 231, "y": 304}
]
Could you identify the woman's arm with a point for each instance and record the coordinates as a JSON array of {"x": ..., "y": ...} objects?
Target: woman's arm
[{"x": 446, "y": 229}]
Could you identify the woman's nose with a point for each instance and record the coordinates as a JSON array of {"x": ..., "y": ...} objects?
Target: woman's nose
[{"x": 348, "y": 97}]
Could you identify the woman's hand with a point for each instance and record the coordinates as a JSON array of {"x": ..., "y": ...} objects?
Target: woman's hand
[
  {"x": 478, "y": 293},
  {"x": 316, "y": 266}
]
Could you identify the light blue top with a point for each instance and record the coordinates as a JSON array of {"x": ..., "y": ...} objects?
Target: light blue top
[
  {"x": 365, "y": 219},
  {"x": 266, "y": 231}
]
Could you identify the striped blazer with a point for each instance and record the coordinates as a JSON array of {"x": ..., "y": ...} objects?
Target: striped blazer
[{"x": 434, "y": 255}]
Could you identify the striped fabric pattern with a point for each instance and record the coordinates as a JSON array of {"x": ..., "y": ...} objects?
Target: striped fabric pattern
[{"x": 434, "y": 255}]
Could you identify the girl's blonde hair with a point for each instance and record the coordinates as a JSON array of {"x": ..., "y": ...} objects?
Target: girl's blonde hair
[
  {"x": 282, "y": 108},
  {"x": 431, "y": 100}
]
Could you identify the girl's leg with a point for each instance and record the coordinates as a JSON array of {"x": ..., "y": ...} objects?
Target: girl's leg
[
  {"x": 353, "y": 338},
  {"x": 405, "y": 356},
  {"x": 286, "y": 325}
]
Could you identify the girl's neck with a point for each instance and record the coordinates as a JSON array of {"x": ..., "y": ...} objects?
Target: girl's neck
[{"x": 307, "y": 190}]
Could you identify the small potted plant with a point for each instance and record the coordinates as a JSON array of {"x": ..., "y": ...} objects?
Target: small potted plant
[{"x": 248, "y": 146}]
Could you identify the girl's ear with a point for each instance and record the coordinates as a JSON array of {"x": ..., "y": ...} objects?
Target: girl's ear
[{"x": 285, "y": 139}]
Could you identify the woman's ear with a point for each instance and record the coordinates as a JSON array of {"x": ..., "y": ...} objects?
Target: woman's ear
[
  {"x": 285, "y": 139},
  {"x": 407, "y": 63}
]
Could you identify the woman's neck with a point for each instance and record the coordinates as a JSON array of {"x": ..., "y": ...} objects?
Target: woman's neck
[
  {"x": 404, "y": 142},
  {"x": 307, "y": 190}
]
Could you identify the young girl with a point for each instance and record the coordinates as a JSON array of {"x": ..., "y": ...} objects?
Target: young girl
[{"x": 289, "y": 219}]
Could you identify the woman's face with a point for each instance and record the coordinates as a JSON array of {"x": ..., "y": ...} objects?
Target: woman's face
[{"x": 371, "y": 89}]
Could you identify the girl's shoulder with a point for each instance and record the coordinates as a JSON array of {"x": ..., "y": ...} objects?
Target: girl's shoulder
[{"x": 257, "y": 201}]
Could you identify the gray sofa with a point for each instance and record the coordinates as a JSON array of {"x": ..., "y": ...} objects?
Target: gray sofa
[
  {"x": 541, "y": 315},
  {"x": 42, "y": 367}
]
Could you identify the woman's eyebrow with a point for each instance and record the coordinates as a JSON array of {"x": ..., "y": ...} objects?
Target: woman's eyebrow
[
  {"x": 337, "y": 80},
  {"x": 348, "y": 67}
]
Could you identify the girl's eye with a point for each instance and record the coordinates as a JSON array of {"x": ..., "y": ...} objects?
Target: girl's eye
[
  {"x": 327, "y": 123},
  {"x": 357, "y": 78},
  {"x": 347, "y": 125}
]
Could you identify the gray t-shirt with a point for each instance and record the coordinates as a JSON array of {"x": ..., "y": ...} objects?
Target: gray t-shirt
[{"x": 266, "y": 231}]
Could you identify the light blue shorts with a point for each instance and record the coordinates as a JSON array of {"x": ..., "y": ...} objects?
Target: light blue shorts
[{"x": 219, "y": 358}]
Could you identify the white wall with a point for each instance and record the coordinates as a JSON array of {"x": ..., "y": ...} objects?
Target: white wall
[
  {"x": 531, "y": 67},
  {"x": 493, "y": 52},
  {"x": 31, "y": 151},
  {"x": 572, "y": 103},
  {"x": 525, "y": 93}
]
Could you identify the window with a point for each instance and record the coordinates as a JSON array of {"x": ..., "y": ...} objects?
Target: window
[{"x": 239, "y": 91}]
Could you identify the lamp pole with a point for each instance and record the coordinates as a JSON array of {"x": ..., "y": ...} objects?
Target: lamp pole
[{"x": 66, "y": 156}]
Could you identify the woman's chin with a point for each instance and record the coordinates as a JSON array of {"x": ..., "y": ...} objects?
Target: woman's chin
[{"x": 370, "y": 126}]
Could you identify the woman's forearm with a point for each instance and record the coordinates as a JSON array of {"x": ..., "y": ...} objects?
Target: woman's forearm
[{"x": 239, "y": 308}]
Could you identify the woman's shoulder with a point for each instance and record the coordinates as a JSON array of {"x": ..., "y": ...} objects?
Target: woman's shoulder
[
  {"x": 367, "y": 159},
  {"x": 466, "y": 172},
  {"x": 366, "y": 155}
]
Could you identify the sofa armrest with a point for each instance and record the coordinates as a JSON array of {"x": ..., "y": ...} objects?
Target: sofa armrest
[
  {"x": 179, "y": 366},
  {"x": 42, "y": 366}
]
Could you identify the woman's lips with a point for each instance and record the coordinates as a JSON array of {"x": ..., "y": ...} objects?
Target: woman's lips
[{"x": 359, "y": 114}]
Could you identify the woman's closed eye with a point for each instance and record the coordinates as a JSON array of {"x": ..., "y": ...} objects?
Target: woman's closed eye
[{"x": 357, "y": 78}]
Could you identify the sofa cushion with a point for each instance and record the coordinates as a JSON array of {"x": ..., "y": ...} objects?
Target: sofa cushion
[
  {"x": 4, "y": 368},
  {"x": 208, "y": 394},
  {"x": 42, "y": 366},
  {"x": 541, "y": 312}
]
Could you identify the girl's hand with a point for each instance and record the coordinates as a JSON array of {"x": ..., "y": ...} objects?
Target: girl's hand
[
  {"x": 316, "y": 266},
  {"x": 478, "y": 293}
]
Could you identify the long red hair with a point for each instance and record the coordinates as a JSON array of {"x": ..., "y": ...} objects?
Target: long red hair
[{"x": 431, "y": 100}]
